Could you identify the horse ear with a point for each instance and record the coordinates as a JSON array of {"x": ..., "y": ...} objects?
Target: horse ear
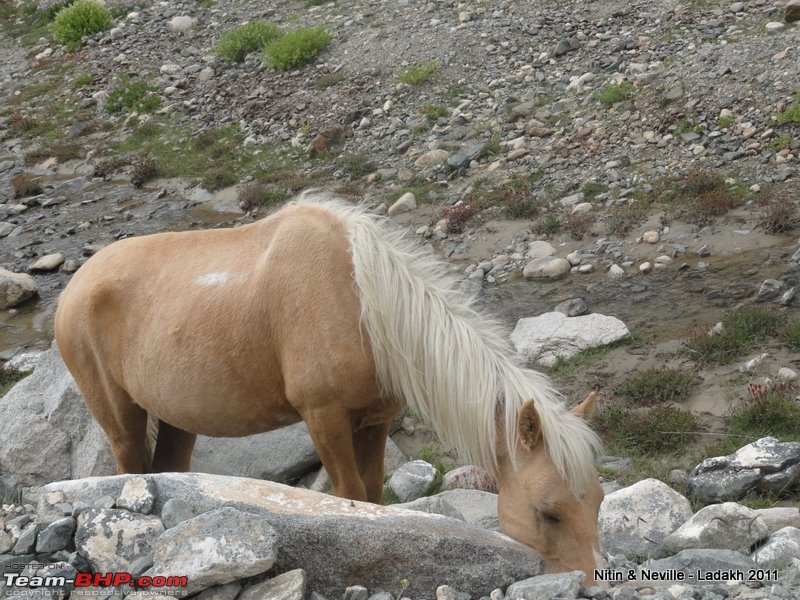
[
  {"x": 529, "y": 425},
  {"x": 585, "y": 409}
]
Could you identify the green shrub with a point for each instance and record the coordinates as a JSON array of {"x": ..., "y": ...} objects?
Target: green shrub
[
  {"x": 135, "y": 96},
  {"x": 792, "y": 112},
  {"x": 611, "y": 93},
  {"x": 656, "y": 386},
  {"x": 742, "y": 330},
  {"x": 790, "y": 333},
  {"x": 85, "y": 17},
  {"x": 654, "y": 432},
  {"x": 296, "y": 47},
  {"x": 768, "y": 410},
  {"x": 418, "y": 74},
  {"x": 237, "y": 43}
]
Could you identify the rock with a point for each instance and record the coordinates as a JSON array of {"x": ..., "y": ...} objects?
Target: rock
[
  {"x": 546, "y": 268},
  {"x": 49, "y": 262},
  {"x": 553, "y": 335},
  {"x": 476, "y": 507},
  {"x": 751, "y": 365},
  {"x": 540, "y": 249},
  {"x": 774, "y": 27},
  {"x": 113, "y": 538},
  {"x": 286, "y": 586},
  {"x": 616, "y": 271},
  {"x": 216, "y": 547},
  {"x": 704, "y": 562},
  {"x": 56, "y": 536},
  {"x": 554, "y": 585},
  {"x": 787, "y": 374},
  {"x": 731, "y": 477},
  {"x": 728, "y": 525},
  {"x": 779, "y": 550},
  {"x": 182, "y": 24},
  {"x": 791, "y": 12},
  {"x": 736, "y": 7},
  {"x": 646, "y": 267},
  {"x": 779, "y": 517},
  {"x": 24, "y": 361},
  {"x": 356, "y": 592},
  {"x": 787, "y": 296},
  {"x": 48, "y": 407},
  {"x": 404, "y": 203},
  {"x": 413, "y": 480},
  {"x": 635, "y": 520},
  {"x": 431, "y": 159},
  {"x": 137, "y": 496},
  {"x": 15, "y": 288},
  {"x": 327, "y": 138},
  {"x": 26, "y": 544},
  {"x": 229, "y": 591},
  {"x": 434, "y": 505},
  {"x": 469, "y": 477},
  {"x": 651, "y": 237},
  {"x": 175, "y": 511},
  {"x": 574, "y": 307},
  {"x": 769, "y": 289},
  {"x": 573, "y": 199},
  {"x": 351, "y": 539}
]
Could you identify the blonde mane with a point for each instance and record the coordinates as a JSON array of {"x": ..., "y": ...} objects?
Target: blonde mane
[{"x": 451, "y": 364}]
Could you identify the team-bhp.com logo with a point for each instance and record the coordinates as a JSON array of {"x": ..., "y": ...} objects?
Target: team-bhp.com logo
[{"x": 83, "y": 580}]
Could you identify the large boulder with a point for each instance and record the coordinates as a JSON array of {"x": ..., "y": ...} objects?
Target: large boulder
[
  {"x": 729, "y": 525},
  {"x": 336, "y": 541},
  {"x": 15, "y": 288},
  {"x": 703, "y": 565},
  {"x": 548, "y": 337},
  {"x": 635, "y": 520},
  {"x": 766, "y": 465},
  {"x": 779, "y": 550}
]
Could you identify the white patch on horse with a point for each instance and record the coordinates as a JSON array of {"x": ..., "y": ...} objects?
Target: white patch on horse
[{"x": 216, "y": 278}]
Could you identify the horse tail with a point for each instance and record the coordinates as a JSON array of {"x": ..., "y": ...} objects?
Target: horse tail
[{"x": 150, "y": 439}]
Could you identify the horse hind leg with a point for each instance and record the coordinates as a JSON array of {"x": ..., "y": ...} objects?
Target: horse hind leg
[{"x": 173, "y": 451}]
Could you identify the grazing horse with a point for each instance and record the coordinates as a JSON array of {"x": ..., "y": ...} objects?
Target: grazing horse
[{"x": 321, "y": 313}]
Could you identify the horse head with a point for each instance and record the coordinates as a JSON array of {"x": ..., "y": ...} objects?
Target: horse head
[{"x": 538, "y": 508}]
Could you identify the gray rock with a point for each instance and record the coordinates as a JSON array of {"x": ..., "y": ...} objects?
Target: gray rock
[
  {"x": 731, "y": 477},
  {"x": 287, "y": 586},
  {"x": 706, "y": 562},
  {"x": 635, "y": 520},
  {"x": 111, "y": 539},
  {"x": 547, "y": 587},
  {"x": 26, "y": 544},
  {"x": 787, "y": 296},
  {"x": 553, "y": 335},
  {"x": 574, "y": 307},
  {"x": 791, "y": 11},
  {"x": 49, "y": 262},
  {"x": 137, "y": 496},
  {"x": 779, "y": 550},
  {"x": 140, "y": 565},
  {"x": 15, "y": 288},
  {"x": 229, "y": 591},
  {"x": 443, "y": 592},
  {"x": 9, "y": 489},
  {"x": 176, "y": 510},
  {"x": 728, "y": 525},
  {"x": 546, "y": 267},
  {"x": 182, "y": 24},
  {"x": 778, "y": 517},
  {"x": 573, "y": 199},
  {"x": 215, "y": 548},
  {"x": 458, "y": 162},
  {"x": 56, "y": 536},
  {"x": 356, "y": 592},
  {"x": 475, "y": 506},
  {"x": 351, "y": 539},
  {"x": 769, "y": 289},
  {"x": 5, "y": 542},
  {"x": 432, "y": 504},
  {"x": 403, "y": 204},
  {"x": 540, "y": 249},
  {"x": 413, "y": 480}
]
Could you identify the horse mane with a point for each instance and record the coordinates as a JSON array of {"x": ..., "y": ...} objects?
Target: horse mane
[{"x": 451, "y": 364}]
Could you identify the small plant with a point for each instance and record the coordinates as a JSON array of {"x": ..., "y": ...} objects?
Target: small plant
[
  {"x": 791, "y": 114},
  {"x": 217, "y": 178},
  {"x": 433, "y": 111},
  {"x": 767, "y": 410},
  {"x": 789, "y": 333},
  {"x": 741, "y": 330},
  {"x": 8, "y": 377},
  {"x": 549, "y": 225},
  {"x": 84, "y": 80},
  {"x": 296, "y": 47},
  {"x": 25, "y": 185},
  {"x": 725, "y": 122},
  {"x": 652, "y": 432},
  {"x": 256, "y": 194},
  {"x": 612, "y": 93},
  {"x": 621, "y": 219},
  {"x": 237, "y": 43},
  {"x": 655, "y": 386},
  {"x": 458, "y": 216},
  {"x": 418, "y": 74},
  {"x": 578, "y": 224},
  {"x": 82, "y": 18},
  {"x": 144, "y": 170},
  {"x": 591, "y": 189},
  {"x": 327, "y": 81},
  {"x": 781, "y": 142},
  {"x": 356, "y": 165},
  {"x": 779, "y": 213},
  {"x": 134, "y": 96}
]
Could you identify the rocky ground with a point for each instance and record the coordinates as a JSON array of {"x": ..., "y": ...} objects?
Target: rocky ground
[{"x": 646, "y": 151}]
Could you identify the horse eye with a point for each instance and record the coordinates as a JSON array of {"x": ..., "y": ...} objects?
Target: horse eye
[{"x": 550, "y": 518}]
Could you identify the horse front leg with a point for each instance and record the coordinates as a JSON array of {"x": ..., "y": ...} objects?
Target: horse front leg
[
  {"x": 332, "y": 434},
  {"x": 370, "y": 446}
]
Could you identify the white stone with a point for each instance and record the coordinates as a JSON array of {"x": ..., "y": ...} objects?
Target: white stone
[
  {"x": 645, "y": 267},
  {"x": 547, "y": 337},
  {"x": 170, "y": 69},
  {"x": 651, "y": 237},
  {"x": 432, "y": 158},
  {"x": 546, "y": 267},
  {"x": 582, "y": 208},
  {"x": 616, "y": 271},
  {"x": 539, "y": 249},
  {"x": 779, "y": 550},
  {"x": 787, "y": 374},
  {"x": 774, "y": 27},
  {"x": 635, "y": 520},
  {"x": 182, "y": 24},
  {"x": 15, "y": 288},
  {"x": 404, "y": 203},
  {"x": 574, "y": 258},
  {"x": 728, "y": 526}
]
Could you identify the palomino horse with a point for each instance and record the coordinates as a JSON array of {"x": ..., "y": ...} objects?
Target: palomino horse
[{"x": 320, "y": 313}]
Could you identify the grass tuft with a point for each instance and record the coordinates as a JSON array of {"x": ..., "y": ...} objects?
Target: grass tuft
[
  {"x": 133, "y": 96},
  {"x": 25, "y": 185},
  {"x": 418, "y": 74},
  {"x": 237, "y": 43},
  {"x": 457, "y": 217},
  {"x": 769, "y": 410},
  {"x": 789, "y": 333},
  {"x": 654, "y": 432},
  {"x": 72, "y": 23},
  {"x": 612, "y": 93},
  {"x": 655, "y": 386},
  {"x": 296, "y": 47}
]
